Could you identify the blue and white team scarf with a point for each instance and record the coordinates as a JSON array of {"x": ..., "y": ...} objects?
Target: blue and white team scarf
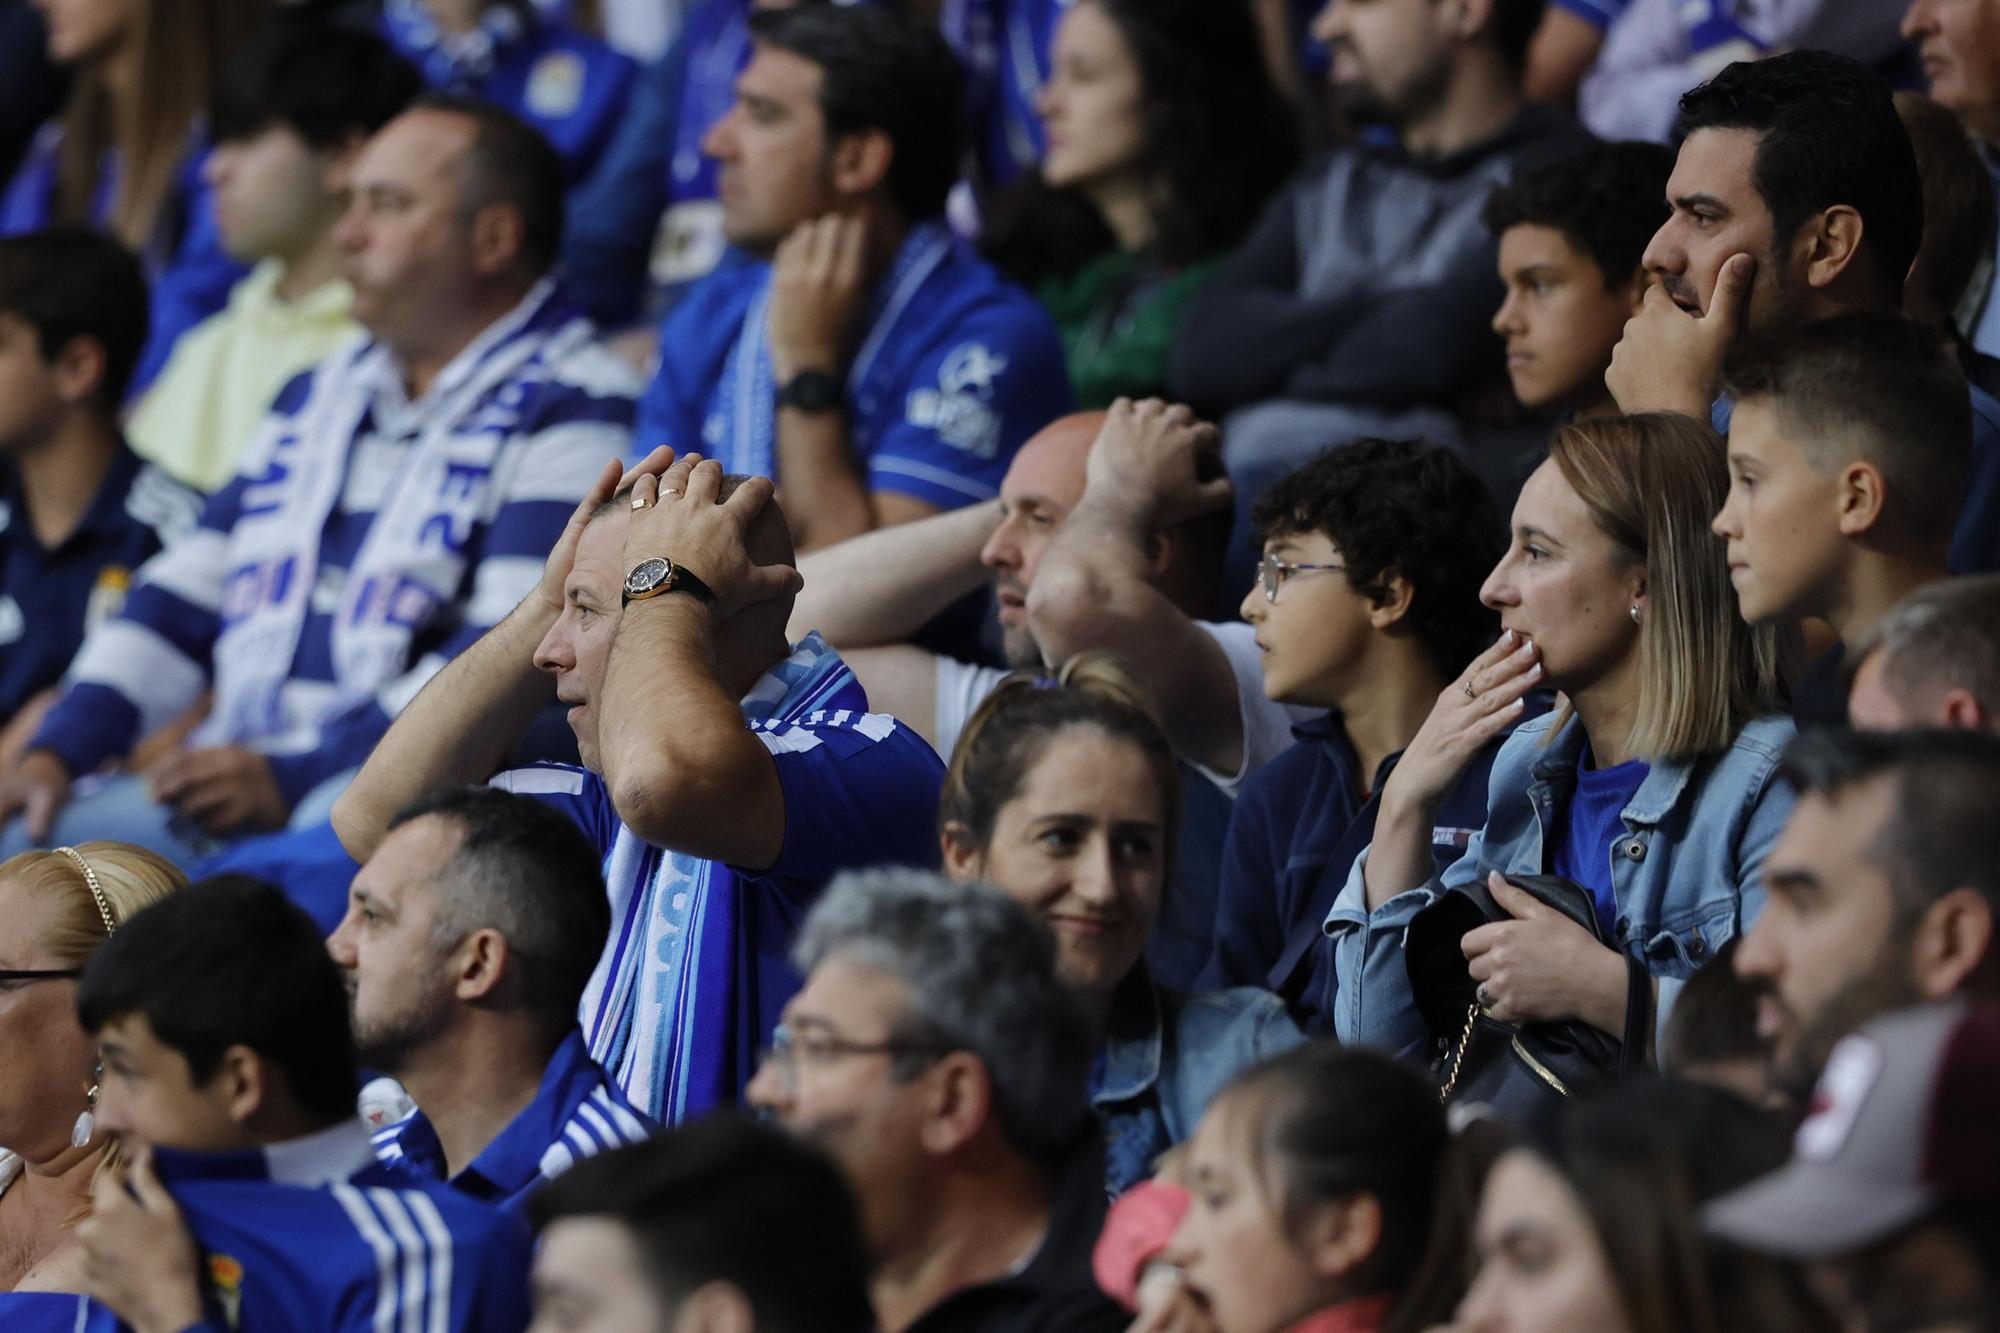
[
  {"x": 744, "y": 439},
  {"x": 413, "y": 558},
  {"x": 458, "y": 62},
  {"x": 648, "y": 1016}
]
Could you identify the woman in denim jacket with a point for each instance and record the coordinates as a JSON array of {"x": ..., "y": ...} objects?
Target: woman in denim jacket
[
  {"x": 1063, "y": 795},
  {"x": 1653, "y": 786}
]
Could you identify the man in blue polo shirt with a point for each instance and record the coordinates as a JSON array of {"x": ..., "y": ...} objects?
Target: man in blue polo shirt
[
  {"x": 78, "y": 511},
  {"x": 569, "y": 86},
  {"x": 661, "y": 618},
  {"x": 468, "y": 940},
  {"x": 255, "y": 1200},
  {"x": 861, "y": 357}
]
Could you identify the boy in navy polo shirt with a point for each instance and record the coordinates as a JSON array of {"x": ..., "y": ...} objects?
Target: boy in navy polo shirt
[
  {"x": 78, "y": 511},
  {"x": 861, "y": 356},
  {"x": 255, "y": 1201},
  {"x": 1367, "y": 604}
]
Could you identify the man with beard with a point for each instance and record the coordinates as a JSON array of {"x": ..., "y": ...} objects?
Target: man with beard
[
  {"x": 1883, "y": 891},
  {"x": 469, "y": 938},
  {"x": 1795, "y": 197},
  {"x": 1360, "y": 304}
]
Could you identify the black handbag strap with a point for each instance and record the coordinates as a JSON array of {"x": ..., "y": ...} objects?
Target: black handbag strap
[{"x": 1638, "y": 1038}]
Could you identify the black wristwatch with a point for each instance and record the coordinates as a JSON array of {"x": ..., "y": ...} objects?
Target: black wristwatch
[
  {"x": 650, "y": 578},
  {"x": 813, "y": 391}
]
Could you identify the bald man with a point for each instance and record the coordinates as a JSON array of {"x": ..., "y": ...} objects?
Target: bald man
[{"x": 870, "y": 596}]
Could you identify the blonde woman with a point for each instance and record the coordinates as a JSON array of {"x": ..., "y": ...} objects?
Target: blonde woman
[
  {"x": 1653, "y": 786},
  {"x": 56, "y": 908}
]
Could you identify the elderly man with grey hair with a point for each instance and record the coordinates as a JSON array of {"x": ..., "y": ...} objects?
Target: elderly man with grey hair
[
  {"x": 1933, "y": 661},
  {"x": 935, "y": 1056}
]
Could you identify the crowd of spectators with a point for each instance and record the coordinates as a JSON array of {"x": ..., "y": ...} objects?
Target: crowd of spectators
[{"x": 1183, "y": 666}]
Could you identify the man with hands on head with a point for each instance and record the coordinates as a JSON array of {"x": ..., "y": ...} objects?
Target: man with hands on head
[
  {"x": 1795, "y": 197},
  {"x": 661, "y": 618},
  {"x": 856, "y": 352}
]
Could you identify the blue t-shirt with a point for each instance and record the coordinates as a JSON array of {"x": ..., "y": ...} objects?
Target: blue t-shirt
[
  {"x": 953, "y": 369},
  {"x": 1599, "y": 14},
  {"x": 315, "y": 1236},
  {"x": 569, "y": 86},
  {"x": 577, "y": 1112},
  {"x": 50, "y": 597},
  {"x": 698, "y": 964},
  {"x": 1591, "y": 823}
]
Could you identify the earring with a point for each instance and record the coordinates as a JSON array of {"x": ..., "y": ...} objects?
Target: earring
[
  {"x": 1635, "y": 613},
  {"x": 86, "y": 1124}
]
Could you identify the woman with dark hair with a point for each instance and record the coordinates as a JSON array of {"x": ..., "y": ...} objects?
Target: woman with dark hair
[
  {"x": 1064, "y": 795},
  {"x": 1165, "y": 138},
  {"x": 1314, "y": 1179},
  {"x": 1592, "y": 1221}
]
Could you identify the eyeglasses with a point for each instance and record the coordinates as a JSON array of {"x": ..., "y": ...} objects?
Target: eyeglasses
[
  {"x": 9, "y": 976},
  {"x": 814, "y": 1046},
  {"x": 1273, "y": 572}
]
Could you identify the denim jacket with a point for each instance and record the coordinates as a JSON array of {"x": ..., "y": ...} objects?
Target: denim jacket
[
  {"x": 1687, "y": 873},
  {"x": 1165, "y": 1055}
]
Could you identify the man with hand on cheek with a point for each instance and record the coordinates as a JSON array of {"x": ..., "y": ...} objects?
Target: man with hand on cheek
[{"x": 661, "y": 618}]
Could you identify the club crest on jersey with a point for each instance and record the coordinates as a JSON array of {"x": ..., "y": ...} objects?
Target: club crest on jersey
[{"x": 225, "y": 1284}]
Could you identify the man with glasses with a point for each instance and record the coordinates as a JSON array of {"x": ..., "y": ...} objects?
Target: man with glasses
[{"x": 935, "y": 1057}]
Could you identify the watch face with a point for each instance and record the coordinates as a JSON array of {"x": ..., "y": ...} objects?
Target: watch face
[{"x": 647, "y": 575}]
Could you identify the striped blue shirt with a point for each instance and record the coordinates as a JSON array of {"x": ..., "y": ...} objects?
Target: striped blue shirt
[
  {"x": 576, "y": 1113},
  {"x": 315, "y": 1236},
  {"x": 523, "y": 419}
]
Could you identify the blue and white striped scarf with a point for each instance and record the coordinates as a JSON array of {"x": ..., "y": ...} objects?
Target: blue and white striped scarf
[{"x": 658, "y": 1010}]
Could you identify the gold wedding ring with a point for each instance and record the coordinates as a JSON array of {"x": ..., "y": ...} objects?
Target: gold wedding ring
[
  {"x": 1470, "y": 693},
  {"x": 638, "y": 502}
]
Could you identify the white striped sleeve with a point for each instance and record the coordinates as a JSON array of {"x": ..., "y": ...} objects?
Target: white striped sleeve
[{"x": 377, "y": 1240}]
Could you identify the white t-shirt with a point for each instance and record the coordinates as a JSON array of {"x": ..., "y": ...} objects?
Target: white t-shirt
[{"x": 1267, "y": 726}]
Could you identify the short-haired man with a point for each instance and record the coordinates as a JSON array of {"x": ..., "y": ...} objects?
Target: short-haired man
[
  {"x": 935, "y": 1057},
  {"x": 393, "y": 503},
  {"x": 1360, "y": 303},
  {"x": 1571, "y": 236},
  {"x": 1847, "y": 448},
  {"x": 256, "y": 1200},
  {"x": 1795, "y": 197},
  {"x": 1932, "y": 661},
  {"x": 293, "y": 107},
  {"x": 79, "y": 511},
  {"x": 469, "y": 938},
  {"x": 863, "y": 358},
  {"x": 1882, "y": 888},
  {"x": 1893, "y": 1190},
  {"x": 872, "y": 594},
  {"x": 727, "y": 772},
  {"x": 723, "y": 1224}
]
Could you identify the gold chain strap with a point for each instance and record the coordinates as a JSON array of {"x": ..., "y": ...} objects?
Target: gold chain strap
[{"x": 1458, "y": 1058}]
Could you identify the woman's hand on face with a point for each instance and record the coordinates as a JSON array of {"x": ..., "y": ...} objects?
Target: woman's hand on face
[
  {"x": 1542, "y": 967},
  {"x": 1168, "y": 1305},
  {"x": 1472, "y": 710}
]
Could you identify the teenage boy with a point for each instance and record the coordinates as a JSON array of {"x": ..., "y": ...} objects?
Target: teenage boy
[
  {"x": 292, "y": 109},
  {"x": 1572, "y": 235},
  {"x": 78, "y": 510},
  {"x": 1367, "y": 605},
  {"x": 1847, "y": 458},
  {"x": 255, "y": 1200}
]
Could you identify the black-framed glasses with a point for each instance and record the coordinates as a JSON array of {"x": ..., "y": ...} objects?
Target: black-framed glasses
[
  {"x": 813, "y": 1046},
  {"x": 10, "y": 975},
  {"x": 1273, "y": 572}
]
